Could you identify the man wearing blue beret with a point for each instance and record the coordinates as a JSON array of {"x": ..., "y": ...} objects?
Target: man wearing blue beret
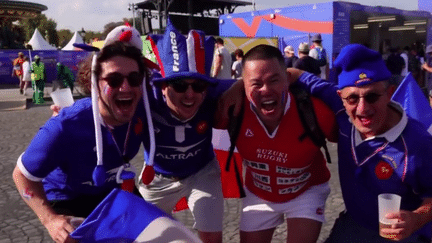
[{"x": 380, "y": 148}]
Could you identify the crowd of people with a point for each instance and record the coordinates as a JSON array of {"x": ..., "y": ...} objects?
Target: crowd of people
[{"x": 380, "y": 148}]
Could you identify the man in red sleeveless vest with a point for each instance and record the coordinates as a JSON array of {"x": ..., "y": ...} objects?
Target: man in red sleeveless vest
[{"x": 284, "y": 175}]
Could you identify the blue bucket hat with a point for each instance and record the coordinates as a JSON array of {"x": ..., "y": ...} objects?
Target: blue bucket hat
[
  {"x": 358, "y": 65},
  {"x": 180, "y": 57}
]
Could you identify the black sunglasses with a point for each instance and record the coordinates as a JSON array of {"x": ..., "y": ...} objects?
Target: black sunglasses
[
  {"x": 115, "y": 80},
  {"x": 181, "y": 86},
  {"x": 369, "y": 98}
]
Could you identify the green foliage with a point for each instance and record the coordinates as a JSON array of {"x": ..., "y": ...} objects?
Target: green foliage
[{"x": 47, "y": 28}]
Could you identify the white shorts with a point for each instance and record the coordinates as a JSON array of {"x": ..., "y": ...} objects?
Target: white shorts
[
  {"x": 203, "y": 191},
  {"x": 259, "y": 214}
]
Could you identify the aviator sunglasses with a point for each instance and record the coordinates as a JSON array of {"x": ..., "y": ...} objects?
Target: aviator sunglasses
[
  {"x": 181, "y": 86},
  {"x": 369, "y": 98},
  {"x": 115, "y": 80}
]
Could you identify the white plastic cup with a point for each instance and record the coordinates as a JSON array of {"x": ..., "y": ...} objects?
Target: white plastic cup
[
  {"x": 62, "y": 97},
  {"x": 387, "y": 203}
]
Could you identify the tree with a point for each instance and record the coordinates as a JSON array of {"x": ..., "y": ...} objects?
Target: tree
[
  {"x": 64, "y": 36},
  {"x": 47, "y": 27}
]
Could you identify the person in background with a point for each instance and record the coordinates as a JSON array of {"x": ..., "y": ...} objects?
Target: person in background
[
  {"x": 237, "y": 65},
  {"x": 223, "y": 62},
  {"x": 290, "y": 57},
  {"x": 54, "y": 175},
  {"x": 427, "y": 66},
  {"x": 17, "y": 70},
  {"x": 285, "y": 176},
  {"x": 319, "y": 53},
  {"x": 65, "y": 76},
  {"x": 404, "y": 55},
  {"x": 38, "y": 80},
  {"x": 395, "y": 63},
  {"x": 26, "y": 76},
  {"x": 305, "y": 62},
  {"x": 380, "y": 150}
]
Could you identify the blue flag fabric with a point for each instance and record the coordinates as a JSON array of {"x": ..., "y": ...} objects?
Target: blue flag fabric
[
  {"x": 412, "y": 99},
  {"x": 124, "y": 217}
]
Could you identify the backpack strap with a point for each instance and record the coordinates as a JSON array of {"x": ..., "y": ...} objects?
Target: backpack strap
[
  {"x": 308, "y": 119},
  {"x": 233, "y": 131}
]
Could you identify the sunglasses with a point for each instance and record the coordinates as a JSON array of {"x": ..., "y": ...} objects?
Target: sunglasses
[
  {"x": 181, "y": 86},
  {"x": 115, "y": 80},
  {"x": 369, "y": 98}
]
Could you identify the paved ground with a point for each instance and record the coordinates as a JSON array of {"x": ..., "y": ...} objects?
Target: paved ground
[{"x": 20, "y": 120}]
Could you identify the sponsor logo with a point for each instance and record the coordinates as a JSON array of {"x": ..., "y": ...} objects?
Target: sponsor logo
[
  {"x": 272, "y": 155},
  {"x": 249, "y": 133},
  {"x": 290, "y": 171},
  {"x": 182, "y": 149},
  {"x": 178, "y": 156},
  {"x": 261, "y": 178},
  {"x": 174, "y": 49},
  {"x": 262, "y": 186},
  {"x": 383, "y": 170},
  {"x": 293, "y": 180},
  {"x": 292, "y": 189},
  {"x": 257, "y": 165}
]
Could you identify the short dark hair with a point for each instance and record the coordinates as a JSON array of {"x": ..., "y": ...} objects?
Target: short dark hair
[
  {"x": 239, "y": 52},
  {"x": 263, "y": 52},
  {"x": 115, "y": 49},
  {"x": 219, "y": 40},
  {"x": 119, "y": 48}
]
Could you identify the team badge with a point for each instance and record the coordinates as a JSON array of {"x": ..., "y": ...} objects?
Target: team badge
[
  {"x": 383, "y": 170},
  {"x": 202, "y": 127},
  {"x": 362, "y": 78},
  {"x": 138, "y": 129},
  {"x": 320, "y": 211}
]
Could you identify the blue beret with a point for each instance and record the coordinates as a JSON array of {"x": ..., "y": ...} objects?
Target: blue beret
[{"x": 358, "y": 65}]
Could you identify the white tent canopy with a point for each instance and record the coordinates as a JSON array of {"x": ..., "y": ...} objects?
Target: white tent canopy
[
  {"x": 76, "y": 38},
  {"x": 39, "y": 43}
]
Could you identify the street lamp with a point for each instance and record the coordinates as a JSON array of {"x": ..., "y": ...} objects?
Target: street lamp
[
  {"x": 82, "y": 33},
  {"x": 133, "y": 7}
]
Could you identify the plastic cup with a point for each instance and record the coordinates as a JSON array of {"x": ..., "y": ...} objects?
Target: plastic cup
[
  {"x": 62, "y": 97},
  {"x": 387, "y": 203}
]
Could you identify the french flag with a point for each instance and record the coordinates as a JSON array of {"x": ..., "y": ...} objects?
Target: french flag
[
  {"x": 124, "y": 217},
  {"x": 412, "y": 99}
]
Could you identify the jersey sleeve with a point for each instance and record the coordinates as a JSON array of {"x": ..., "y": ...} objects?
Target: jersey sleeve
[
  {"x": 322, "y": 89},
  {"x": 44, "y": 152}
]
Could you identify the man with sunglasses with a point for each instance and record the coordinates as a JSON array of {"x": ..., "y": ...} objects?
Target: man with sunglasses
[
  {"x": 54, "y": 174},
  {"x": 183, "y": 102},
  {"x": 380, "y": 148}
]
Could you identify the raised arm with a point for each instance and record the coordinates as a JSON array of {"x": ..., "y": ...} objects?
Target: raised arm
[{"x": 322, "y": 89}]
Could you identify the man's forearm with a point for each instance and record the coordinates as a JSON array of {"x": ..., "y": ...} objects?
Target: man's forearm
[{"x": 34, "y": 195}]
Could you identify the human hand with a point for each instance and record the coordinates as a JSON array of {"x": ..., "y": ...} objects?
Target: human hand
[
  {"x": 59, "y": 228},
  {"x": 56, "y": 109},
  {"x": 408, "y": 223}
]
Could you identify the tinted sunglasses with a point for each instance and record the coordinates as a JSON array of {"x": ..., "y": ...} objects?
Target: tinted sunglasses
[
  {"x": 369, "y": 98},
  {"x": 181, "y": 86},
  {"x": 115, "y": 80}
]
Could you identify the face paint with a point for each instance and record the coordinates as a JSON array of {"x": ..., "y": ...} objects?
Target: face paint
[
  {"x": 27, "y": 194},
  {"x": 106, "y": 89}
]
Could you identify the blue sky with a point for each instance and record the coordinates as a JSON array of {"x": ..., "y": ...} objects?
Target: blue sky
[{"x": 94, "y": 14}]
